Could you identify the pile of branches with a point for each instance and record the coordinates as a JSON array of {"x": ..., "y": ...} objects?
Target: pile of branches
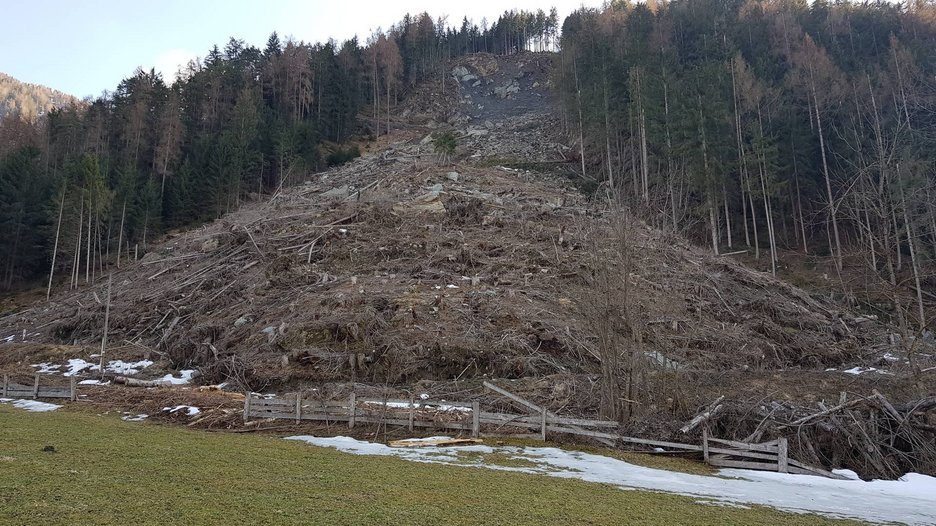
[{"x": 867, "y": 434}]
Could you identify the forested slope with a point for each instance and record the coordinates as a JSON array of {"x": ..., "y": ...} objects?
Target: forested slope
[
  {"x": 768, "y": 125},
  {"x": 151, "y": 156},
  {"x": 29, "y": 101}
]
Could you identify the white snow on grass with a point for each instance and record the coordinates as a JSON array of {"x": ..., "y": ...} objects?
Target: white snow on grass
[
  {"x": 908, "y": 500},
  {"x": 187, "y": 409},
  {"x": 33, "y": 406},
  {"x": 134, "y": 418}
]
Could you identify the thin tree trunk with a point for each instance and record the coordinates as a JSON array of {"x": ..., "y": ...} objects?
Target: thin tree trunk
[
  {"x": 727, "y": 215},
  {"x": 106, "y": 323},
  {"x": 88, "y": 253},
  {"x": 123, "y": 214},
  {"x": 799, "y": 200},
  {"x": 77, "y": 264},
  {"x": 734, "y": 93},
  {"x": 828, "y": 181},
  {"x": 578, "y": 98},
  {"x": 913, "y": 261},
  {"x": 871, "y": 247},
  {"x": 608, "y": 135},
  {"x": 58, "y": 229},
  {"x": 713, "y": 223}
]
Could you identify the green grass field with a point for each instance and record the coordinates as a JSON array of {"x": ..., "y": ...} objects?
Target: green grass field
[{"x": 105, "y": 471}]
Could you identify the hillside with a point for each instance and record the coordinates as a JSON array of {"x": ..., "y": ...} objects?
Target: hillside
[
  {"x": 29, "y": 100},
  {"x": 397, "y": 271}
]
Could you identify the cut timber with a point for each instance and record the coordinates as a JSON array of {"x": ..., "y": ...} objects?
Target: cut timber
[{"x": 439, "y": 442}]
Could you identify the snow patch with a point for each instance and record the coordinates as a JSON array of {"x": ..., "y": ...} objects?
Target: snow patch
[
  {"x": 134, "y": 418},
  {"x": 187, "y": 409},
  {"x": 125, "y": 368},
  {"x": 871, "y": 501},
  {"x": 47, "y": 368},
  {"x": 78, "y": 365},
  {"x": 33, "y": 406},
  {"x": 93, "y": 382},
  {"x": 185, "y": 377}
]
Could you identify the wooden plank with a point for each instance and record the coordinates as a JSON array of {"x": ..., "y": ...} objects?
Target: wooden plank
[
  {"x": 522, "y": 401},
  {"x": 286, "y": 415},
  {"x": 341, "y": 407},
  {"x": 739, "y": 453},
  {"x": 405, "y": 422},
  {"x": 740, "y": 464},
  {"x": 6, "y": 385},
  {"x": 351, "y": 411},
  {"x": 801, "y": 468},
  {"x": 475, "y": 418},
  {"x": 277, "y": 404},
  {"x": 745, "y": 445},
  {"x": 705, "y": 446},
  {"x": 543, "y": 426},
  {"x": 36, "y": 387},
  {"x": 73, "y": 389},
  {"x": 783, "y": 465},
  {"x": 553, "y": 419},
  {"x": 526, "y": 403},
  {"x": 660, "y": 443},
  {"x": 247, "y": 406},
  {"x": 54, "y": 392},
  {"x": 412, "y": 412},
  {"x": 581, "y": 432},
  {"x": 485, "y": 419},
  {"x": 435, "y": 442},
  {"x": 298, "y": 409}
]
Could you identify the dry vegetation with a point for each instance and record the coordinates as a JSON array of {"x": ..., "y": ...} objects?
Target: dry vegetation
[{"x": 395, "y": 272}]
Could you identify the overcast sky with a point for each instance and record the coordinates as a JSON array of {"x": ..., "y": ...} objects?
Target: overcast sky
[{"x": 85, "y": 47}]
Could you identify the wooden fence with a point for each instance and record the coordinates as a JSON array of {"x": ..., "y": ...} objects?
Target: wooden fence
[
  {"x": 38, "y": 390},
  {"x": 469, "y": 417}
]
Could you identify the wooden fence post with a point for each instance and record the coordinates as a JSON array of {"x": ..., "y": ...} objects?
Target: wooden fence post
[
  {"x": 412, "y": 411},
  {"x": 543, "y": 426},
  {"x": 705, "y": 453},
  {"x": 73, "y": 390},
  {"x": 36, "y": 387},
  {"x": 298, "y": 406},
  {"x": 6, "y": 385},
  {"x": 475, "y": 419},
  {"x": 782, "y": 459},
  {"x": 247, "y": 407},
  {"x": 351, "y": 411}
]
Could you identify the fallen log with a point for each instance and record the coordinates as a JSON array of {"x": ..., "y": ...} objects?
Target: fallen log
[
  {"x": 710, "y": 410},
  {"x": 133, "y": 382}
]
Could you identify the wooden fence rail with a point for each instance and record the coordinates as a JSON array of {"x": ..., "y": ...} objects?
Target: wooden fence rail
[
  {"x": 468, "y": 416},
  {"x": 38, "y": 390}
]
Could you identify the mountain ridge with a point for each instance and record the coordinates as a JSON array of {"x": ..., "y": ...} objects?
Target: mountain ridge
[{"x": 29, "y": 100}]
